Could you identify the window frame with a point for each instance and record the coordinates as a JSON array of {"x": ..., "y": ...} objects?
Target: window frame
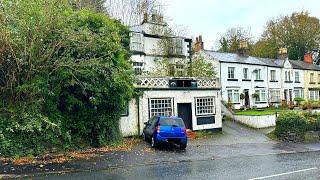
[
  {"x": 258, "y": 74},
  {"x": 259, "y": 99},
  {"x": 136, "y": 42},
  {"x": 231, "y": 72},
  {"x": 203, "y": 106},
  {"x": 300, "y": 92},
  {"x": 311, "y": 78},
  {"x": 296, "y": 76},
  {"x": 245, "y": 73},
  {"x": 161, "y": 107},
  {"x": 275, "y": 95},
  {"x": 273, "y": 75},
  {"x": 233, "y": 93}
]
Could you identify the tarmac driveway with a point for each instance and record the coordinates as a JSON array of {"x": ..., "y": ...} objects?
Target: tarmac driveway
[{"x": 235, "y": 141}]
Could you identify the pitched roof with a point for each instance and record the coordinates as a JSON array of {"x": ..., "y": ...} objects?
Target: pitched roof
[
  {"x": 235, "y": 58},
  {"x": 303, "y": 65}
]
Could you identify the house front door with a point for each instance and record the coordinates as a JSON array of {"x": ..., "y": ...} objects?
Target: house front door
[
  {"x": 246, "y": 98},
  {"x": 286, "y": 94},
  {"x": 185, "y": 112}
]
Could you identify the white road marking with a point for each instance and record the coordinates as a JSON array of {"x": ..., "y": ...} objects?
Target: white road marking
[{"x": 282, "y": 174}]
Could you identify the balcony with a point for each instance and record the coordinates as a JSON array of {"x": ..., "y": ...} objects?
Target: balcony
[{"x": 176, "y": 83}]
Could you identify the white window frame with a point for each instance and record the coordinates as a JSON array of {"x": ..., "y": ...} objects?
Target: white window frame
[
  {"x": 287, "y": 76},
  {"x": 179, "y": 46},
  {"x": 234, "y": 98},
  {"x": 314, "y": 94},
  {"x": 312, "y": 78},
  {"x": 258, "y": 74},
  {"x": 245, "y": 73},
  {"x": 138, "y": 67},
  {"x": 161, "y": 107},
  {"x": 136, "y": 42},
  {"x": 275, "y": 95},
  {"x": 273, "y": 75},
  {"x": 231, "y": 72},
  {"x": 298, "y": 93},
  {"x": 205, "y": 106},
  {"x": 261, "y": 92},
  {"x": 297, "y": 76}
]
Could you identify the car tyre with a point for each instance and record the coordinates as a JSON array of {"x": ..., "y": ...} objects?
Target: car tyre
[
  {"x": 183, "y": 146},
  {"x": 153, "y": 142}
]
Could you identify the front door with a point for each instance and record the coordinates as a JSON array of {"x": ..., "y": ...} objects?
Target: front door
[
  {"x": 246, "y": 98},
  {"x": 185, "y": 112},
  {"x": 286, "y": 94}
]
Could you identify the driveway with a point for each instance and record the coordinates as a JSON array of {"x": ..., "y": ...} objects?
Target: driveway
[{"x": 235, "y": 141}]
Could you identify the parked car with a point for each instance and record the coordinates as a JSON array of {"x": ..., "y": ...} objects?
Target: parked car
[{"x": 165, "y": 129}]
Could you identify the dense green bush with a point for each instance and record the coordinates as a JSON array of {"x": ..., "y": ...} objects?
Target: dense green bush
[
  {"x": 64, "y": 77},
  {"x": 297, "y": 123},
  {"x": 291, "y": 122}
]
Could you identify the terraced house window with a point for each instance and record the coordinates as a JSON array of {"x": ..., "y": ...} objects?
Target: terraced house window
[
  {"x": 230, "y": 72},
  {"x": 233, "y": 96},
  {"x": 318, "y": 78},
  {"x": 311, "y": 77},
  {"x": 296, "y": 77},
  {"x": 298, "y": 93},
  {"x": 273, "y": 75},
  {"x": 161, "y": 107},
  {"x": 275, "y": 95},
  {"x": 258, "y": 74},
  {"x": 287, "y": 76},
  {"x": 245, "y": 73},
  {"x": 138, "y": 67},
  {"x": 205, "y": 106},
  {"x": 262, "y": 96},
  {"x": 314, "y": 94}
]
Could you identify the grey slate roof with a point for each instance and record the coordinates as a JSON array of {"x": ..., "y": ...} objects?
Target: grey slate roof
[
  {"x": 235, "y": 58},
  {"x": 303, "y": 65}
]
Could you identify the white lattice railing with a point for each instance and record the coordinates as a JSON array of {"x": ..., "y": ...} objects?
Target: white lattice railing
[
  {"x": 154, "y": 82},
  {"x": 163, "y": 82}
]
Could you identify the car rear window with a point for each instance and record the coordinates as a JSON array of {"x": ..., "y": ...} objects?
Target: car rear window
[{"x": 171, "y": 122}]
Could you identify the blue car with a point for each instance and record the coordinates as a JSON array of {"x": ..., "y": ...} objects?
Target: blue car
[{"x": 165, "y": 129}]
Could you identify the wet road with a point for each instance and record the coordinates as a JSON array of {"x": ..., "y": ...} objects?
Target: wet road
[
  {"x": 279, "y": 166},
  {"x": 237, "y": 153}
]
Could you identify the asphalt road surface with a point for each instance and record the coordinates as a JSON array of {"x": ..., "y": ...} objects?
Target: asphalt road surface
[{"x": 270, "y": 166}]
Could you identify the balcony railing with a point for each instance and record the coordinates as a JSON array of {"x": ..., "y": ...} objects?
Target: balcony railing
[{"x": 165, "y": 82}]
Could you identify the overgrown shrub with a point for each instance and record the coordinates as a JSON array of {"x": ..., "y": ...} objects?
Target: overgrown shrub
[
  {"x": 64, "y": 77},
  {"x": 291, "y": 122}
]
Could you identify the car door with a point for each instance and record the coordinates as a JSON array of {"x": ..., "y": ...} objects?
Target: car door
[{"x": 151, "y": 126}]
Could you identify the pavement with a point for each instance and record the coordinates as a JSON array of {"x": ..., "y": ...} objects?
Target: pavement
[{"x": 238, "y": 152}]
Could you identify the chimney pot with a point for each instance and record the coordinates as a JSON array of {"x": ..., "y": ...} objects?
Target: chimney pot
[
  {"x": 283, "y": 53},
  {"x": 308, "y": 58}
]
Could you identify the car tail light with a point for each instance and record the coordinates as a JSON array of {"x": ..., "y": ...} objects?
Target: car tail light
[
  {"x": 158, "y": 129},
  {"x": 184, "y": 130}
]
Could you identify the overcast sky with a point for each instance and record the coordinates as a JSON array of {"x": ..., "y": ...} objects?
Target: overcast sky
[{"x": 211, "y": 18}]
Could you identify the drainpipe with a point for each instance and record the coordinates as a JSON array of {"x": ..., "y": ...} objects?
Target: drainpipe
[{"x": 138, "y": 106}]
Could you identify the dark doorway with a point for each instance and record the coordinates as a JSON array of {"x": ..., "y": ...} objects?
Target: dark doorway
[
  {"x": 246, "y": 98},
  {"x": 185, "y": 112},
  {"x": 285, "y": 94}
]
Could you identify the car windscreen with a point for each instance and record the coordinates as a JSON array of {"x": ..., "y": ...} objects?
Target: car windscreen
[{"x": 178, "y": 122}]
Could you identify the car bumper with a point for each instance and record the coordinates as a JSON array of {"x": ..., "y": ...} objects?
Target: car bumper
[{"x": 176, "y": 140}]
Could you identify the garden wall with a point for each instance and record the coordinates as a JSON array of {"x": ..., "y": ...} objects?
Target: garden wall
[{"x": 263, "y": 121}]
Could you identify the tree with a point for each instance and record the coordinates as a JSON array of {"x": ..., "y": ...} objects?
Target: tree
[
  {"x": 298, "y": 32},
  {"x": 230, "y": 40},
  {"x": 95, "y": 5},
  {"x": 131, "y": 12},
  {"x": 64, "y": 77}
]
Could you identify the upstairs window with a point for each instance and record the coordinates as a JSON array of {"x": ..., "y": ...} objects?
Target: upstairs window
[
  {"x": 311, "y": 77},
  {"x": 287, "y": 76},
  {"x": 179, "y": 47},
  {"x": 245, "y": 73},
  {"x": 231, "y": 72},
  {"x": 318, "y": 78},
  {"x": 296, "y": 76},
  {"x": 258, "y": 74},
  {"x": 138, "y": 67},
  {"x": 136, "y": 42},
  {"x": 273, "y": 75}
]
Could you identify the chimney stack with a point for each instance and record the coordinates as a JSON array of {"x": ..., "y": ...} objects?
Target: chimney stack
[
  {"x": 243, "y": 48},
  {"x": 308, "y": 58},
  {"x": 198, "y": 46},
  {"x": 283, "y": 53}
]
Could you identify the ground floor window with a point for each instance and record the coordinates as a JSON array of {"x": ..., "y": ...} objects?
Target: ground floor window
[
  {"x": 138, "y": 67},
  {"x": 205, "y": 106},
  {"x": 261, "y": 95},
  {"x": 275, "y": 95},
  {"x": 233, "y": 96},
  {"x": 298, "y": 93},
  {"x": 161, "y": 107},
  {"x": 314, "y": 94}
]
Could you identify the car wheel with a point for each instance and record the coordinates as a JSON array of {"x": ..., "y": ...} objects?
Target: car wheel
[
  {"x": 183, "y": 146},
  {"x": 153, "y": 142}
]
